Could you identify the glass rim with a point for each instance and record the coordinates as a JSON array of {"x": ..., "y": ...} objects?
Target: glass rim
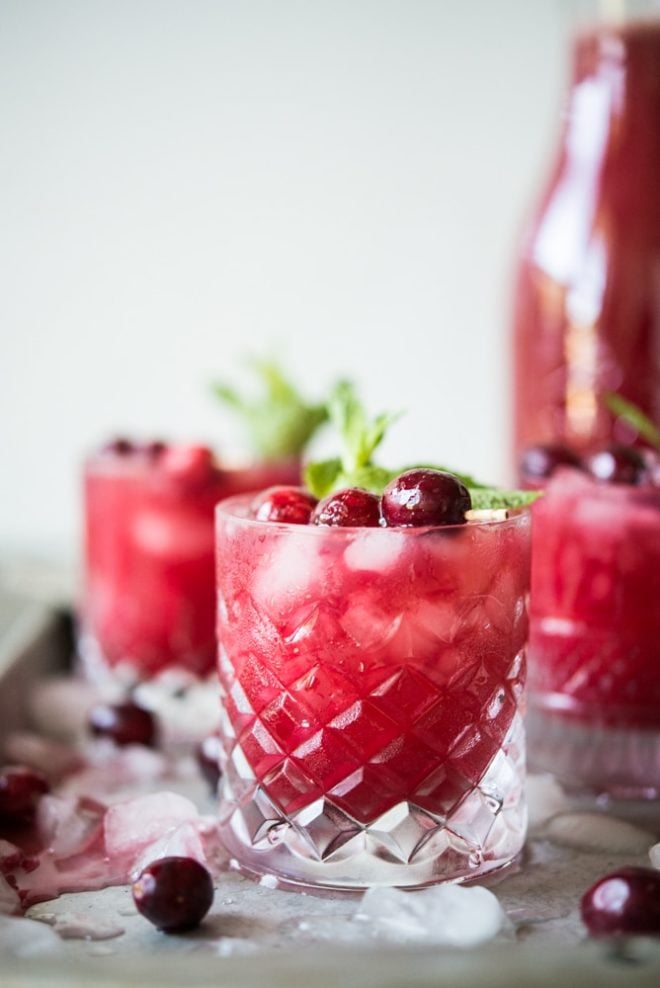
[
  {"x": 140, "y": 460},
  {"x": 224, "y": 511},
  {"x": 581, "y": 486}
]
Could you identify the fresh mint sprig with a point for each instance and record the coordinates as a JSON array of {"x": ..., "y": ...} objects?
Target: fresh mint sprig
[
  {"x": 635, "y": 417},
  {"x": 492, "y": 498},
  {"x": 361, "y": 436},
  {"x": 279, "y": 422}
]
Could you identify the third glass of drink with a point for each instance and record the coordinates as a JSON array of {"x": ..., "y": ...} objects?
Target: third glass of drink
[{"x": 594, "y": 673}]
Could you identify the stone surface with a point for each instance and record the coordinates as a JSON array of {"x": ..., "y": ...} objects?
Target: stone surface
[{"x": 257, "y": 934}]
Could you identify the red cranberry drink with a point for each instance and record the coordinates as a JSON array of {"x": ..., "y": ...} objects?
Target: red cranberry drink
[
  {"x": 372, "y": 669},
  {"x": 149, "y": 596},
  {"x": 595, "y": 626},
  {"x": 587, "y": 312},
  {"x": 149, "y": 600}
]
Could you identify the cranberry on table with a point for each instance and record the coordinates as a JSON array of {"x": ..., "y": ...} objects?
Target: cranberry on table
[
  {"x": 174, "y": 893},
  {"x": 624, "y": 902},
  {"x": 425, "y": 497},
  {"x": 618, "y": 465},
  {"x": 123, "y": 723},
  {"x": 208, "y": 756},
  {"x": 351, "y": 507},
  {"x": 20, "y": 791},
  {"x": 540, "y": 462},
  {"x": 291, "y": 505}
]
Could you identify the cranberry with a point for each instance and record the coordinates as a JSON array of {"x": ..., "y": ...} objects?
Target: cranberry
[
  {"x": 625, "y": 901},
  {"x": 123, "y": 723},
  {"x": 20, "y": 790},
  {"x": 208, "y": 754},
  {"x": 174, "y": 893},
  {"x": 120, "y": 446},
  {"x": 617, "y": 465},
  {"x": 540, "y": 462},
  {"x": 291, "y": 505},
  {"x": 187, "y": 464},
  {"x": 155, "y": 448},
  {"x": 351, "y": 507},
  {"x": 425, "y": 497}
]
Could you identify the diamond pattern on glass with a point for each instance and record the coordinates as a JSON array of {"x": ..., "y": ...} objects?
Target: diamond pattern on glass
[{"x": 473, "y": 827}]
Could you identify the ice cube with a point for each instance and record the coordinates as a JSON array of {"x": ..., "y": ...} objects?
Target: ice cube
[
  {"x": 185, "y": 535},
  {"x": 185, "y": 842},
  {"x": 26, "y": 938},
  {"x": 75, "y": 926},
  {"x": 187, "y": 709},
  {"x": 11, "y": 858},
  {"x": 545, "y": 799},
  {"x": 293, "y": 569},
  {"x": 9, "y": 900},
  {"x": 369, "y": 624},
  {"x": 446, "y": 915},
  {"x": 132, "y": 825},
  {"x": 115, "y": 774},
  {"x": 425, "y": 629},
  {"x": 235, "y": 947},
  {"x": 596, "y": 832},
  {"x": 375, "y": 550},
  {"x": 68, "y": 826}
]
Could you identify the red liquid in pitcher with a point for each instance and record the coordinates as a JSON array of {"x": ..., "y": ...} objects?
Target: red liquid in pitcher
[{"x": 587, "y": 319}]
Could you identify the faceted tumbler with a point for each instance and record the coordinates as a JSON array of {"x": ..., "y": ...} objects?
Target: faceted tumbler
[{"x": 372, "y": 686}]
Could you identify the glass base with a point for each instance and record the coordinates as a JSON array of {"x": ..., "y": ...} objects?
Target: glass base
[
  {"x": 321, "y": 846},
  {"x": 622, "y": 762}
]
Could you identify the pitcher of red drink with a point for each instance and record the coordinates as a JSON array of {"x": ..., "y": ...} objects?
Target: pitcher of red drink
[
  {"x": 587, "y": 327},
  {"x": 587, "y": 308}
]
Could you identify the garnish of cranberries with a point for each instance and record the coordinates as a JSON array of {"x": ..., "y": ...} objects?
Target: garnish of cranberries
[
  {"x": 626, "y": 901},
  {"x": 207, "y": 754},
  {"x": 540, "y": 462},
  {"x": 350, "y": 507},
  {"x": 20, "y": 791},
  {"x": 174, "y": 893},
  {"x": 123, "y": 723},
  {"x": 617, "y": 465},
  {"x": 425, "y": 497},
  {"x": 291, "y": 505}
]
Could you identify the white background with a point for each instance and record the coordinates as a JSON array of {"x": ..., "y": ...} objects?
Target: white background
[{"x": 185, "y": 181}]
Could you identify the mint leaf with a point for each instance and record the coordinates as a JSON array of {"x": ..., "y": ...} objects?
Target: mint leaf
[
  {"x": 279, "y": 422},
  {"x": 373, "y": 478},
  {"x": 320, "y": 477},
  {"x": 484, "y": 498},
  {"x": 635, "y": 417},
  {"x": 359, "y": 437}
]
